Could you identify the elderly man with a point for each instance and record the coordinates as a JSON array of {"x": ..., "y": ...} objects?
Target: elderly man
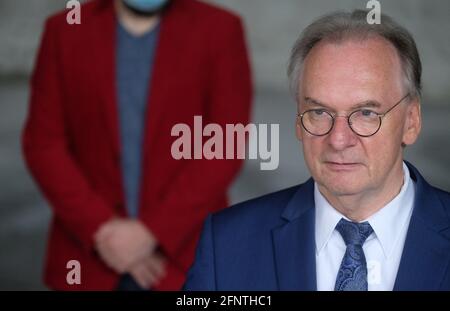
[{"x": 366, "y": 220}]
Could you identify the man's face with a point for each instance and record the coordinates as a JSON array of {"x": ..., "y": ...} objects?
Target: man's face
[{"x": 341, "y": 76}]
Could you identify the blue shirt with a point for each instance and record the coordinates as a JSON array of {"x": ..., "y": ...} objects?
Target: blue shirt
[{"x": 134, "y": 63}]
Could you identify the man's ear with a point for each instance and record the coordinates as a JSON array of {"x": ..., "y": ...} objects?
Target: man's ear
[{"x": 413, "y": 123}]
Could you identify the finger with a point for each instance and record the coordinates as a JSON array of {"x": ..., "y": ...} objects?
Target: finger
[
  {"x": 152, "y": 267},
  {"x": 125, "y": 261},
  {"x": 137, "y": 276},
  {"x": 144, "y": 278},
  {"x": 156, "y": 266}
]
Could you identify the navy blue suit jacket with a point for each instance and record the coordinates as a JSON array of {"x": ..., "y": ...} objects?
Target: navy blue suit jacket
[{"x": 268, "y": 243}]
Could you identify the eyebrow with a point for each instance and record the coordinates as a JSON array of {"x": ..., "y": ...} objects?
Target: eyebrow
[{"x": 364, "y": 104}]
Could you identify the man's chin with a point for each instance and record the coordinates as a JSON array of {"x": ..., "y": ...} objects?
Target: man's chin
[
  {"x": 340, "y": 192},
  {"x": 342, "y": 188}
]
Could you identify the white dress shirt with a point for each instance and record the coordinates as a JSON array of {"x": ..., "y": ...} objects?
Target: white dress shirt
[{"x": 383, "y": 248}]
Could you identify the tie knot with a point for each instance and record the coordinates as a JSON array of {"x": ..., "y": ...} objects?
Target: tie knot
[{"x": 353, "y": 232}]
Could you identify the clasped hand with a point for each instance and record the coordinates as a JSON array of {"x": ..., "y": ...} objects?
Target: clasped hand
[{"x": 126, "y": 245}]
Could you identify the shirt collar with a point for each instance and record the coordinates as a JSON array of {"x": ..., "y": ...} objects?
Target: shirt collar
[
  {"x": 387, "y": 223},
  {"x": 326, "y": 219}
]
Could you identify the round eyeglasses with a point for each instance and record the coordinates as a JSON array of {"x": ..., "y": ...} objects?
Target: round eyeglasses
[{"x": 363, "y": 122}]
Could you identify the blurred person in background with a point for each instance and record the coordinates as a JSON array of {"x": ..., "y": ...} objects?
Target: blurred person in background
[{"x": 105, "y": 95}]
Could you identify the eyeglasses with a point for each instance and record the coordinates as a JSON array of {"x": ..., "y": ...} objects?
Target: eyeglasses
[{"x": 363, "y": 122}]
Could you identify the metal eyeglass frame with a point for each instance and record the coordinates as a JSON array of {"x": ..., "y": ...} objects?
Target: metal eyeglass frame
[{"x": 380, "y": 116}]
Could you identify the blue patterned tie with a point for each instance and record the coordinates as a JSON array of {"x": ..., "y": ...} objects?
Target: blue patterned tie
[{"x": 352, "y": 275}]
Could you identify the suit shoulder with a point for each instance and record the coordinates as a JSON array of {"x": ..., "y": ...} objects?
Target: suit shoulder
[
  {"x": 266, "y": 208},
  {"x": 444, "y": 197}
]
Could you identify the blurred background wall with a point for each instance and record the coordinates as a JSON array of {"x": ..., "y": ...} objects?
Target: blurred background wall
[{"x": 271, "y": 27}]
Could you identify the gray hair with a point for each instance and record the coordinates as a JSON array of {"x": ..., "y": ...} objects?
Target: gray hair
[{"x": 339, "y": 26}]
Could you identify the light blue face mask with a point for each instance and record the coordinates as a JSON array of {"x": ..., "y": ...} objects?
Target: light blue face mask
[{"x": 147, "y": 6}]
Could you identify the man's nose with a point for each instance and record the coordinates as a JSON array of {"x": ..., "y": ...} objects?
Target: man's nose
[{"x": 341, "y": 135}]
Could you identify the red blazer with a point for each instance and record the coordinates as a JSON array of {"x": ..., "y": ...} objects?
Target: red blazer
[{"x": 71, "y": 136}]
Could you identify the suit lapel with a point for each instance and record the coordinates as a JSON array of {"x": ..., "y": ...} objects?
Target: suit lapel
[
  {"x": 103, "y": 40},
  {"x": 173, "y": 36},
  {"x": 426, "y": 253},
  {"x": 294, "y": 242}
]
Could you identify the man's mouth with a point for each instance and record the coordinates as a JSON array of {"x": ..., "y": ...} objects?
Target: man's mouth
[{"x": 342, "y": 166}]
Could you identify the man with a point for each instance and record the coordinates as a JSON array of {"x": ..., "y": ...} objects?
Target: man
[
  {"x": 366, "y": 220},
  {"x": 105, "y": 95}
]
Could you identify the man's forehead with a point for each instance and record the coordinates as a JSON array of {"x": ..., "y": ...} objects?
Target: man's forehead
[{"x": 359, "y": 73}]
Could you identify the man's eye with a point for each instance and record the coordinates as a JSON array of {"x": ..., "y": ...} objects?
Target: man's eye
[
  {"x": 319, "y": 112},
  {"x": 368, "y": 113}
]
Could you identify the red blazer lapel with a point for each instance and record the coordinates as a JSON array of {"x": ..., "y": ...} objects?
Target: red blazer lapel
[
  {"x": 104, "y": 68},
  {"x": 165, "y": 64}
]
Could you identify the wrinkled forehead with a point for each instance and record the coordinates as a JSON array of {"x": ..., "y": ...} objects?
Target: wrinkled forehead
[{"x": 352, "y": 70}]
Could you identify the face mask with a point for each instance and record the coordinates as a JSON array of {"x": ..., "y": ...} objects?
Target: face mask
[{"x": 145, "y": 6}]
